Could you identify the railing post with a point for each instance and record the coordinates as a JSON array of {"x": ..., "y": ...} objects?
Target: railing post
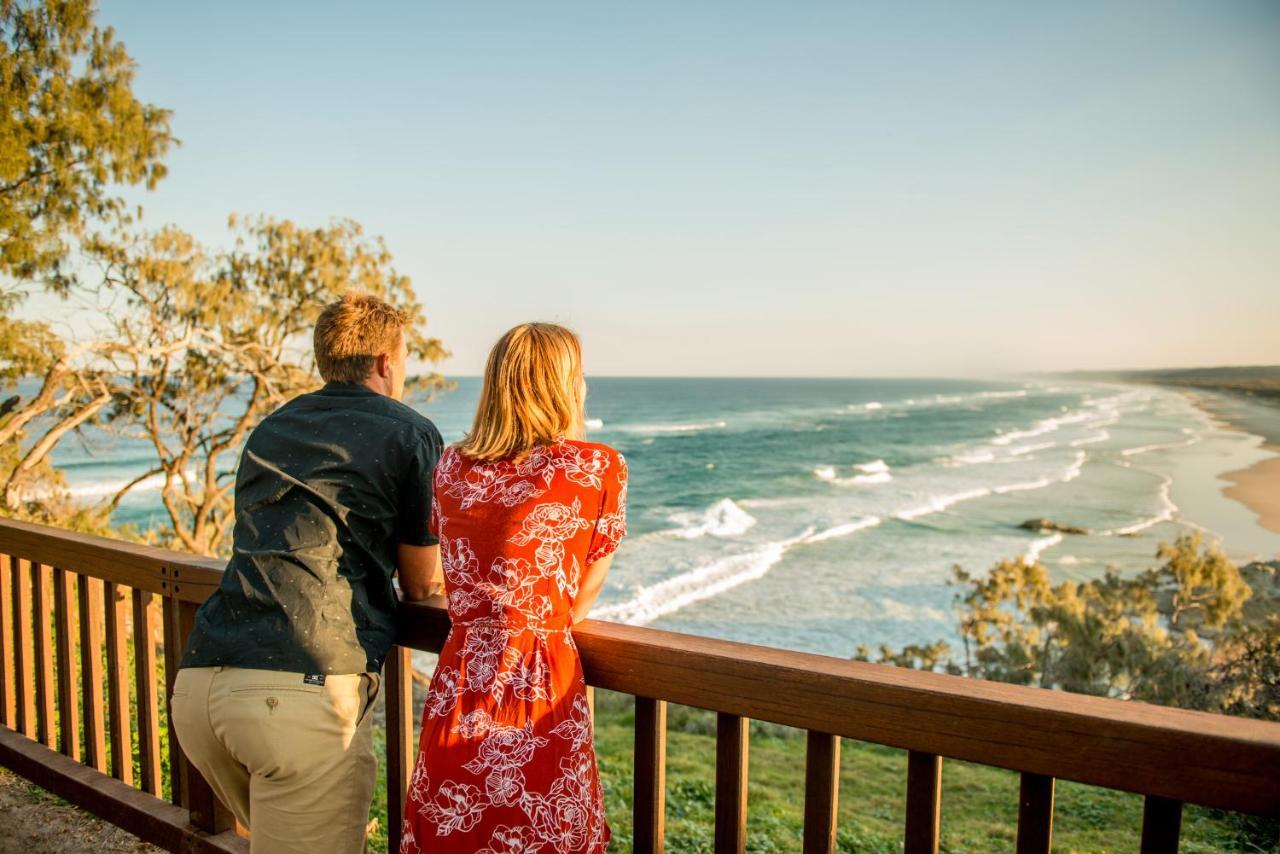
[
  {"x": 206, "y": 811},
  {"x": 8, "y": 694},
  {"x": 68, "y": 703},
  {"x": 24, "y": 680},
  {"x": 398, "y": 670},
  {"x": 46, "y": 717},
  {"x": 1035, "y": 814},
  {"x": 118, "y": 684},
  {"x": 1161, "y": 825},
  {"x": 172, "y": 638},
  {"x": 821, "y": 792},
  {"x": 145, "y": 671},
  {"x": 649, "y": 799},
  {"x": 924, "y": 803},
  {"x": 95, "y": 745},
  {"x": 732, "y": 744}
]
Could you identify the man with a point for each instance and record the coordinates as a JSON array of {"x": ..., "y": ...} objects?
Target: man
[{"x": 273, "y": 696}]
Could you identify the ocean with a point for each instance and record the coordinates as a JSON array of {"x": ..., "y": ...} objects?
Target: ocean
[{"x": 820, "y": 514}]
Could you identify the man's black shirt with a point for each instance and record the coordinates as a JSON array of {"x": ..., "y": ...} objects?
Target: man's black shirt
[{"x": 328, "y": 485}]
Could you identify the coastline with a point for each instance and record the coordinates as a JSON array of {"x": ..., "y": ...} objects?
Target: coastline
[{"x": 1257, "y": 487}]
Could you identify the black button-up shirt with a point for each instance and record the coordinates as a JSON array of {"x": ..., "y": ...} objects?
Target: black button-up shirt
[{"x": 328, "y": 485}]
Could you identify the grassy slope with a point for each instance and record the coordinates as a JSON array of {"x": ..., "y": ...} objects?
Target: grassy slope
[{"x": 979, "y": 804}]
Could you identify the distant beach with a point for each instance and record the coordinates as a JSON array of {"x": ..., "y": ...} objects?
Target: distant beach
[{"x": 1256, "y": 486}]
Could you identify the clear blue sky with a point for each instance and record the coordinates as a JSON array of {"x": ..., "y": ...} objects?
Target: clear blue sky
[{"x": 760, "y": 188}]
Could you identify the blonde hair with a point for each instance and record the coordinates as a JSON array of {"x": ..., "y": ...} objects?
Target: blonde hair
[
  {"x": 352, "y": 333},
  {"x": 533, "y": 393}
]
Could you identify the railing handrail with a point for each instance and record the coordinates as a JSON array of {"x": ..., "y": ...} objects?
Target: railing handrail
[{"x": 1197, "y": 757}]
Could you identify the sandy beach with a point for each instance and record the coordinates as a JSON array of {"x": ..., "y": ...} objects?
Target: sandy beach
[{"x": 1258, "y": 486}]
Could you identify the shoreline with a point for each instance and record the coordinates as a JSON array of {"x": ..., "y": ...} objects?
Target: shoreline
[{"x": 1257, "y": 487}]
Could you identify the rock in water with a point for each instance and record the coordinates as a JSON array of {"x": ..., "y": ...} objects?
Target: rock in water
[{"x": 1043, "y": 525}]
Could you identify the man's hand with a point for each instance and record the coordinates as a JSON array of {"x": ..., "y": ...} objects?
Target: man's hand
[{"x": 420, "y": 571}]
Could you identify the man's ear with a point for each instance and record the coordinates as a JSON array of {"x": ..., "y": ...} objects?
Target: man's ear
[{"x": 383, "y": 365}]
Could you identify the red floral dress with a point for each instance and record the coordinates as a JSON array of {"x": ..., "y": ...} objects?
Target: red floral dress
[{"x": 506, "y": 762}]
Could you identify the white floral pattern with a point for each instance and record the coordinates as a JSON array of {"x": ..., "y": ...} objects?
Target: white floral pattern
[{"x": 507, "y": 729}]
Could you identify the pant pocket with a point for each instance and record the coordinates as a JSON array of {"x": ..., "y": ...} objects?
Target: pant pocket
[{"x": 372, "y": 683}]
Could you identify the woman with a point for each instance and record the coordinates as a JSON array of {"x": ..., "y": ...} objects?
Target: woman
[{"x": 528, "y": 517}]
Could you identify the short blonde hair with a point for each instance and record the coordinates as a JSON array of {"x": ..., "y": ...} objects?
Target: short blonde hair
[
  {"x": 533, "y": 393},
  {"x": 352, "y": 333}
]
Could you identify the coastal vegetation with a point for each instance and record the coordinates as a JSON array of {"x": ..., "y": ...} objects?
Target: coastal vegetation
[{"x": 1195, "y": 632}]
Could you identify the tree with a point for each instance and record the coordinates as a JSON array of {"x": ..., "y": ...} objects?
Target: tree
[
  {"x": 207, "y": 344},
  {"x": 1175, "y": 635},
  {"x": 71, "y": 133}
]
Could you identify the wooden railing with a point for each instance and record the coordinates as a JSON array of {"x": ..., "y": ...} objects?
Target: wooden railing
[{"x": 63, "y": 596}]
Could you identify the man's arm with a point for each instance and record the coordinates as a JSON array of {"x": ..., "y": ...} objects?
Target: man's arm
[{"x": 419, "y": 570}]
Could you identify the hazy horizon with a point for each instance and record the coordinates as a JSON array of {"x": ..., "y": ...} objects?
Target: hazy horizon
[
  {"x": 757, "y": 190},
  {"x": 994, "y": 375}
]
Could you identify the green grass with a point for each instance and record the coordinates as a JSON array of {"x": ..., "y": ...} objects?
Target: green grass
[{"x": 979, "y": 804}]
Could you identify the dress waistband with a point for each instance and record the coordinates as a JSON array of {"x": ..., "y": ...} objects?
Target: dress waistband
[{"x": 514, "y": 622}]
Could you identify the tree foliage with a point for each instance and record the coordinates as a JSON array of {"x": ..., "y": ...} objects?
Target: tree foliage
[
  {"x": 71, "y": 131},
  {"x": 1176, "y": 634},
  {"x": 206, "y": 344}
]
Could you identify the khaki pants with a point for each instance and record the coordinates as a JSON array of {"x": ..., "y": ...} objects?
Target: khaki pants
[{"x": 293, "y": 761}]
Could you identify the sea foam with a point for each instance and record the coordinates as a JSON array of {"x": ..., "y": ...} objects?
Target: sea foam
[
  {"x": 844, "y": 530},
  {"x": 876, "y": 471},
  {"x": 722, "y": 519},
  {"x": 939, "y": 503},
  {"x": 1167, "y": 512},
  {"x": 702, "y": 582},
  {"x": 1040, "y": 546}
]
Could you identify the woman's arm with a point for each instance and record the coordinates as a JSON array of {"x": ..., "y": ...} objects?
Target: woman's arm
[
  {"x": 420, "y": 571},
  {"x": 589, "y": 587}
]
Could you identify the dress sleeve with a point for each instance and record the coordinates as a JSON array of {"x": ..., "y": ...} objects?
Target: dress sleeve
[
  {"x": 611, "y": 524},
  {"x": 414, "y": 527}
]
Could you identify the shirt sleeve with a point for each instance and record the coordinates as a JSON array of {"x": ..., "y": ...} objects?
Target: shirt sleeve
[
  {"x": 611, "y": 524},
  {"x": 414, "y": 525}
]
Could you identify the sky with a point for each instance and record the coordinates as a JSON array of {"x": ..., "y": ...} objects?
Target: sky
[{"x": 759, "y": 189}]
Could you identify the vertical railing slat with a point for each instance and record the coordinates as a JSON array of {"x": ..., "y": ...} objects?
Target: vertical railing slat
[
  {"x": 821, "y": 792},
  {"x": 8, "y": 692},
  {"x": 24, "y": 644},
  {"x": 924, "y": 803},
  {"x": 90, "y": 601},
  {"x": 170, "y": 629},
  {"x": 650, "y": 780},
  {"x": 732, "y": 744},
  {"x": 46, "y": 689},
  {"x": 1161, "y": 825},
  {"x": 118, "y": 683},
  {"x": 400, "y": 744},
  {"x": 68, "y": 703},
  {"x": 1035, "y": 814},
  {"x": 144, "y": 660}
]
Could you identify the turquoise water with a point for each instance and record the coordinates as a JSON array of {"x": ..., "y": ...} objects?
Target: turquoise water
[{"x": 820, "y": 514}]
